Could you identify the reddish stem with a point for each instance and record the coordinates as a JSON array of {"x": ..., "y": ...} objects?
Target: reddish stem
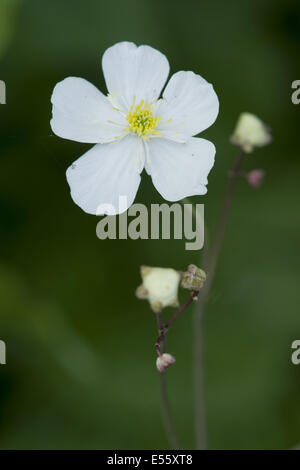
[{"x": 165, "y": 327}]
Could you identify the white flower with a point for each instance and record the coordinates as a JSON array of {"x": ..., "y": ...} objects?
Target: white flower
[
  {"x": 134, "y": 129},
  {"x": 250, "y": 132},
  {"x": 160, "y": 287}
]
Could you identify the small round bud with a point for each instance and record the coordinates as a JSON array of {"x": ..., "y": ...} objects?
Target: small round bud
[
  {"x": 250, "y": 132},
  {"x": 141, "y": 292},
  {"x": 255, "y": 178},
  {"x": 160, "y": 287},
  {"x": 193, "y": 278},
  {"x": 164, "y": 361}
]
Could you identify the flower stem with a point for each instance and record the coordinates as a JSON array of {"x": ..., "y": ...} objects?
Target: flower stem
[
  {"x": 210, "y": 268},
  {"x": 164, "y": 327},
  {"x": 165, "y": 404}
]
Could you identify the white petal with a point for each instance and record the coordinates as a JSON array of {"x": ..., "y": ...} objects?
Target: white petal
[
  {"x": 105, "y": 173},
  {"x": 189, "y": 103},
  {"x": 81, "y": 113},
  {"x": 180, "y": 170},
  {"x": 134, "y": 71}
]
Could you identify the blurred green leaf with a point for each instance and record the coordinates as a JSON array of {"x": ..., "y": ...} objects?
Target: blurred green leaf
[{"x": 8, "y": 12}]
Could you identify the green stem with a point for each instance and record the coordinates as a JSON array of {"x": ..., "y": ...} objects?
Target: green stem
[{"x": 210, "y": 268}]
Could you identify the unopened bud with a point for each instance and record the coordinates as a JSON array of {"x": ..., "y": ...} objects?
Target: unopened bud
[
  {"x": 164, "y": 361},
  {"x": 250, "y": 132},
  {"x": 255, "y": 178},
  {"x": 193, "y": 278},
  {"x": 160, "y": 287}
]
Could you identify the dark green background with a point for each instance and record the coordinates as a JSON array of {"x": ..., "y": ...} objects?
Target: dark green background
[{"x": 80, "y": 367}]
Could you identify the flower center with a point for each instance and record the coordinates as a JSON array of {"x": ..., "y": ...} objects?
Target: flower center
[{"x": 141, "y": 120}]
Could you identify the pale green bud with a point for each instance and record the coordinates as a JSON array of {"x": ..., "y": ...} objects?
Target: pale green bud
[
  {"x": 250, "y": 132},
  {"x": 193, "y": 278}
]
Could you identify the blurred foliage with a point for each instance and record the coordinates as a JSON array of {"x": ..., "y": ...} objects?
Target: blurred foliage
[
  {"x": 8, "y": 10},
  {"x": 80, "y": 360}
]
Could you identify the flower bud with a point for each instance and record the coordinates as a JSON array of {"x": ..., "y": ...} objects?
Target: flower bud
[
  {"x": 164, "y": 361},
  {"x": 250, "y": 132},
  {"x": 193, "y": 278},
  {"x": 255, "y": 178},
  {"x": 160, "y": 287}
]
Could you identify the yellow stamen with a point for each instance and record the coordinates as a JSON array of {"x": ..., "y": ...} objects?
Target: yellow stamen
[{"x": 141, "y": 120}]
